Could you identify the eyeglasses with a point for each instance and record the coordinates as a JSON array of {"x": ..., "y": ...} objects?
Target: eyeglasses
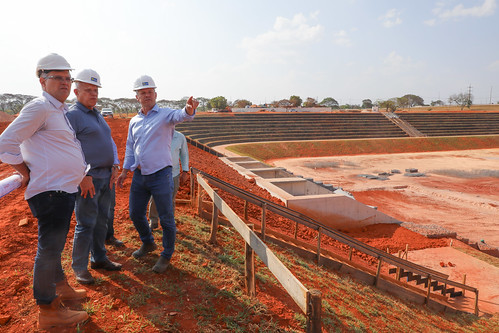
[{"x": 60, "y": 79}]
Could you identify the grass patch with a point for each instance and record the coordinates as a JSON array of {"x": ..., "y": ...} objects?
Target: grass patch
[{"x": 296, "y": 149}]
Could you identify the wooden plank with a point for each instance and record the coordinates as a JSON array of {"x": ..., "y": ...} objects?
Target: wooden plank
[
  {"x": 264, "y": 219},
  {"x": 214, "y": 225},
  {"x": 200, "y": 199},
  {"x": 353, "y": 243},
  {"x": 249, "y": 268},
  {"x": 246, "y": 210},
  {"x": 314, "y": 311},
  {"x": 319, "y": 248},
  {"x": 293, "y": 286},
  {"x": 378, "y": 271}
]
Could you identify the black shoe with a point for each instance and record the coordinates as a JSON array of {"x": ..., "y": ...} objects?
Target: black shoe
[
  {"x": 84, "y": 277},
  {"x": 144, "y": 249},
  {"x": 161, "y": 265},
  {"x": 108, "y": 265},
  {"x": 114, "y": 242}
]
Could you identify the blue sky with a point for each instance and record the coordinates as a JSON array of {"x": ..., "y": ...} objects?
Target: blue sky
[{"x": 261, "y": 50}]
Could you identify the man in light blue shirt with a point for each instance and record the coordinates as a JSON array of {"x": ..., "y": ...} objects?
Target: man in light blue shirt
[
  {"x": 148, "y": 155},
  {"x": 179, "y": 152}
]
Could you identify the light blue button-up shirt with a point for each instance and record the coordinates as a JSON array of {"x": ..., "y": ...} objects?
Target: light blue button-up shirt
[
  {"x": 149, "y": 139},
  {"x": 42, "y": 137},
  {"x": 180, "y": 152}
]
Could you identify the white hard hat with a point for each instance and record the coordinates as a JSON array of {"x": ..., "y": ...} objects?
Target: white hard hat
[
  {"x": 143, "y": 82},
  {"x": 53, "y": 61},
  {"x": 88, "y": 76}
]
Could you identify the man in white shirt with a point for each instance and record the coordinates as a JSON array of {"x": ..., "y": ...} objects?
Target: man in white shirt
[{"x": 41, "y": 145}]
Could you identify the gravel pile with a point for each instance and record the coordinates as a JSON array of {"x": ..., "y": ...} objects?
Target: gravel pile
[{"x": 429, "y": 230}]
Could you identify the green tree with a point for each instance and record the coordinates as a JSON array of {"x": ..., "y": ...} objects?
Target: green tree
[
  {"x": 389, "y": 105},
  {"x": 330, "y": 102},
  {"x": 241, "y": 103},
  {"x": 295, "y": 100},
  {"x": 367, "y": 103},
  {"x": 219, "y": 102},
  {"x": 202, "y": 103},
  {"x": 403, "y": 102},
  {"x": 437, "y": 103},
  {"x": 350, "y": 106},
  {"x": 13, "y": 103},
  {"x": 413, "y": 100},
  {"x": 310, "y": 102},
  {"x": 284, "y": 103}
]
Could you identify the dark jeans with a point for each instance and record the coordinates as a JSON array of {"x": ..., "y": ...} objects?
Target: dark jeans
[
  {"x": 159, "y": 185},
  {"x": 91, "y": 225},
  {"x": 110, "y": 215},
  {"x": 53, "y": 210}
]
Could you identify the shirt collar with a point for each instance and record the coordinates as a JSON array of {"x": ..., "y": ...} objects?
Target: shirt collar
[
  {"x": 155, "y": 108},
  {"x": 84, "y": 108},
  {"x": 55, "y": 102}
]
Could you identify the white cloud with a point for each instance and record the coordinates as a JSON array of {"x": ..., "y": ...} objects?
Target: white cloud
[
  {"x": 396, "y": 63},
  {"x": 341, "y": 38},
  {"x": 487, "y": 8},
  {"x": 391, "y": 18},
  {"x": 282, "y": 42},
  {"x": 431, "y": 22},
  {"x": 494, "y": 66}
]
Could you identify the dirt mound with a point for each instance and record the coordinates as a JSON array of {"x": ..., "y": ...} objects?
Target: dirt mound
[{"x": 18, "y": 244}]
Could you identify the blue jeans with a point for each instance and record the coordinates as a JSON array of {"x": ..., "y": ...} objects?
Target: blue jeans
[
  {"x": 110, "y": 215},
  {"x": 53, "y": 210},
  {"x": 159, "y": 185},
  {"x": 153, "y": 212},
  {"x": 91, "y": 225}
]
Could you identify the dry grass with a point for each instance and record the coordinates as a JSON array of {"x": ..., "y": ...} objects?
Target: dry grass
[
  {"x": 208, "y": 282},
  {"x": 296, "y": 149}
]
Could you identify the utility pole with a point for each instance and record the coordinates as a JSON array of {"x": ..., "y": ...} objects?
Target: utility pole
[
  {"x": 469, "y": 96},
  {"x": 490, "y": 99}
]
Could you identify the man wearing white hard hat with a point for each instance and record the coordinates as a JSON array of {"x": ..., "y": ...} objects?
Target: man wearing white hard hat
[
  {"x": 148, "y": 156},
  {"x": 95, "y": 191},
  {"x": 41, "y": 145}
]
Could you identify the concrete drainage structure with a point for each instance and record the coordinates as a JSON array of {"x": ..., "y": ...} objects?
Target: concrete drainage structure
[{"x": 336, "y": 210}]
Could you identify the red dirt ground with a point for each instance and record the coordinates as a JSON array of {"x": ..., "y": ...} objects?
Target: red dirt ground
[{"x": 18, "y": 244}]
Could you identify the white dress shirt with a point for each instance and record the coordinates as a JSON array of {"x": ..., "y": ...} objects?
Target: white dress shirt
[{"x": 42, "y": 137}]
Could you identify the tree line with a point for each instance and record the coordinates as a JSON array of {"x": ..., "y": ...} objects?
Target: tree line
[{"x": 13, "y": 103}]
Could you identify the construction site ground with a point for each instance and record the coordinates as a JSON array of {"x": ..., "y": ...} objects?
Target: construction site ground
[
  {"x": 455, "y": 190},
  {"x": 18, "y": 241}
]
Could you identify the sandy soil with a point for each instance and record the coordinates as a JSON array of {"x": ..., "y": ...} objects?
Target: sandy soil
[
  {"x": 18, "y": 247},
  {"x": 459, "y": 190}
]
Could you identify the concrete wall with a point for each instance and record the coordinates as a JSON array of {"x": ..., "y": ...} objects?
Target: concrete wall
[{"x": 335, "y": 210}]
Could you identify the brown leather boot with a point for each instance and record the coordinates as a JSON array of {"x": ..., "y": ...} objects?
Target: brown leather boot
[
  {"x": 55, "y": 314},
  {"x": 67, "y": 293}
]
